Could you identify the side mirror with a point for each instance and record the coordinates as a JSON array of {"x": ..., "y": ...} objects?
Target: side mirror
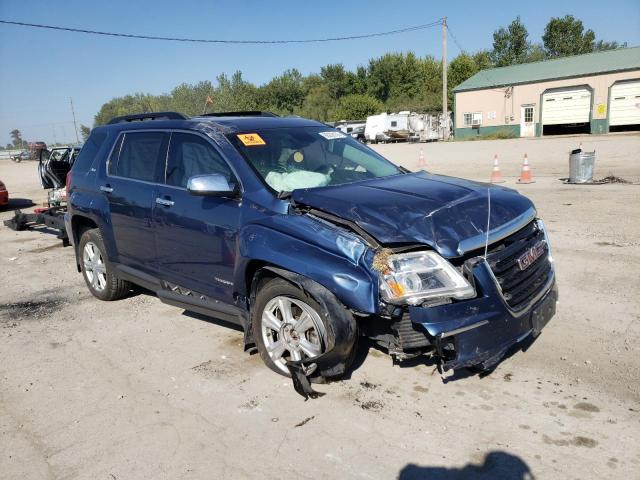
[{"x": 212, "y": 185}]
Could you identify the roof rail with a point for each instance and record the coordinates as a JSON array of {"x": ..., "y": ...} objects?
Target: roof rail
[
  {"x": 138, "y": 117},
  {"x": 247, "y": 113}
]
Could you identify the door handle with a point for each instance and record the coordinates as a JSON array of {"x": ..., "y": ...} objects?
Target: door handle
[
  {"x": 166, "y": 203},
  {"x": 106, "y": 189}
]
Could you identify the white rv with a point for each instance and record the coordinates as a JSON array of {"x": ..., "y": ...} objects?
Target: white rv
[
  {"x": 387, "y": 127},
  {"x": 408, "y": 126}
]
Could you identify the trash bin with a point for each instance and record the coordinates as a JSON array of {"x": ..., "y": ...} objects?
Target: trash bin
[{"x": 581, "y": 166}]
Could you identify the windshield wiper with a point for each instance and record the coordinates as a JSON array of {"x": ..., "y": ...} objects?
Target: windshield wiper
[{"x": 284, "y": 195}]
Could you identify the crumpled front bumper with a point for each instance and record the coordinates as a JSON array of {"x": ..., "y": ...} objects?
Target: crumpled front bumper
[{"x": 481, "y": 330}]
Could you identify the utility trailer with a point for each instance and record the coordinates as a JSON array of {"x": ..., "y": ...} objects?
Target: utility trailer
[{"x": 51, "y": 217}]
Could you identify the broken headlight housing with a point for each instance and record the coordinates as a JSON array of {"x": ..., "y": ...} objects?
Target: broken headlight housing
[{"x": 418, "y": 276}]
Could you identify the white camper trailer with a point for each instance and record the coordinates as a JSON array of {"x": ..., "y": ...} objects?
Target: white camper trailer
[
  {"x": 405, "y": 126},
  {"x": 387, "y": 127},
  {"x": 355, "y": 128}
]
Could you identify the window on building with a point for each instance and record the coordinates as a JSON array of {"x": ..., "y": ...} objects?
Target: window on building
[
  {"x": 474, "y": 118},
  {"x": 528, "y": 114}
]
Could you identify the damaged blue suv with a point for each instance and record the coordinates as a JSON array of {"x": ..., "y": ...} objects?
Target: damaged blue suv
[{"x": 307, "y": 239}]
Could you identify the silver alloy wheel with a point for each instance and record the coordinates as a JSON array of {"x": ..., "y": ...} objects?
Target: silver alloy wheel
[
  {"x": 94, "y": 267},
  {"x": 290, "y": 331}
]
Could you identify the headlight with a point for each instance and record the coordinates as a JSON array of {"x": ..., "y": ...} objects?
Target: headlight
[{"x": 418, "y": 276}]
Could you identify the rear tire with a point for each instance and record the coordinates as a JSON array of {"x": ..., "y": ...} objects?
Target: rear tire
[{"x": 97, "y": 271}]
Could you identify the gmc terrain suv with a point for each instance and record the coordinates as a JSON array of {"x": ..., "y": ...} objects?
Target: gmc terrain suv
[{"x": 307, "y": 238}]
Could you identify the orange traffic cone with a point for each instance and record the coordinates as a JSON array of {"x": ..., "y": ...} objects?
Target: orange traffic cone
[
  {"x": 525, "y": 174},
  {"x": 421, "y": 161},
  {"x": 496, "y": 175}
]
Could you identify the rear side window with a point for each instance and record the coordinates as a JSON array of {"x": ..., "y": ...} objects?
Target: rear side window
[
  {"x": 140, "y": 156},
  {"x": 89, "y": 151},
  {"x": 191, "y": 155}
]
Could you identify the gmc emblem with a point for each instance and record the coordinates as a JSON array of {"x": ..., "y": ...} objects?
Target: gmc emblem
[{"x": 527, "y": 258}]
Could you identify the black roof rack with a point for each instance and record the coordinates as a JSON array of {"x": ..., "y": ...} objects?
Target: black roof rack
[
  {"x": 247, "y": 113},
  {"x": 139, "y": 117}
]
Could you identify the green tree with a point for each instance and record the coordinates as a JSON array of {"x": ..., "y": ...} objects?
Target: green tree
[
  {"x": 482, "y": 59},
  {"x": 129, "y": 104},
  {"x": 566, "y": 36},
  {"x": 16, "y": 137},
  {"x": 465, "y": 66},
  {"x": 283, "y": 94},
  {"x": 510, "y": 45},
  {"x": 357, "y": 107},
  {"x": 85, "y": 131},
  {"x": 191, "y": 99},
  {"x": 394, "y": 75},
  {"x": 536, "y": 53},
  {"x": 336, "y": 79},
  {"x": 601, "y": 46},
  {"x": 235, "y": 94},
  {"x": 318, "y": 104}
]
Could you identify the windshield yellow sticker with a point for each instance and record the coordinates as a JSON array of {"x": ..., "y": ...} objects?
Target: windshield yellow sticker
[{"x": 251, "y": 139}]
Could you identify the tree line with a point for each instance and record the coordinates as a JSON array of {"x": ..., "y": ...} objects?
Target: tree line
[{"x": 392, "y": 82}]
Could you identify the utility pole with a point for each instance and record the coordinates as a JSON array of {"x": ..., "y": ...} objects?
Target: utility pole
[
  {"x": 445, "y": 115},
  {"x": 75, "y": 127}
]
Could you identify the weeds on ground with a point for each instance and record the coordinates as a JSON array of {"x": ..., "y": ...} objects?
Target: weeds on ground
[{"x": 501, "y": 134}]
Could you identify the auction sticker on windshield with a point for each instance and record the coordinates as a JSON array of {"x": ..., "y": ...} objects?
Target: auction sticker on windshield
[
  {"x": 332, "y": 135},
  {"x": 251, "y": 139}
]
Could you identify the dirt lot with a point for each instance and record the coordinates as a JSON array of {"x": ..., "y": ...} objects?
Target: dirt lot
[{"x": 137, "y": 389}]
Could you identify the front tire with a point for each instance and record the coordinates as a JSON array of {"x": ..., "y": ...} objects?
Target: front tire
[
  {"x": 290, "y": 325},
  {"x": 97, "y": 270}
]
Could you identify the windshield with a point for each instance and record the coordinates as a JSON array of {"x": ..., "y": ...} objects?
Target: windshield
[{"x": 307, "y": 157}]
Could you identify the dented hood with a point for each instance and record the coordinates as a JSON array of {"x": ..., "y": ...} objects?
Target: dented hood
[{"x": 449, "y": 214}]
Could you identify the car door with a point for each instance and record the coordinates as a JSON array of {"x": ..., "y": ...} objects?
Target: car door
[
  {"x": 135, "y": 167},
  {"x": 196, "y": 236}
]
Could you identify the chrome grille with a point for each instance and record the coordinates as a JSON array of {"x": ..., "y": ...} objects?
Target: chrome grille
[{"x": 520, "y": 286}]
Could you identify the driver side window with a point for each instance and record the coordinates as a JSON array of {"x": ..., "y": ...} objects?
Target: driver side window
[{"x": 191, "y": 155}]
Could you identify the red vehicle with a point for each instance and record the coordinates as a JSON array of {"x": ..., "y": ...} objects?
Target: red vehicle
[{"x": 4, "y": 194}]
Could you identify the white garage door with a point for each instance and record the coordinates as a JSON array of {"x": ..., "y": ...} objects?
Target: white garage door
[
  {"x": 566, "y": 106},
  {"x": 625, "y": 104}
]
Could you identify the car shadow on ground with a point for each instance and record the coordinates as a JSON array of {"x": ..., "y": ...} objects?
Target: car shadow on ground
[
  {"x": 497, "y": 465},
  {"x": 365, "y": 345},
  {"x": 138, "y": 290},
  {"x": 215, "y": 321},
  {"x": 16, "y": 203}
]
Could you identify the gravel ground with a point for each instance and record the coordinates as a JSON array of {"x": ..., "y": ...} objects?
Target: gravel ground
[{"x": 137, "y": 389}]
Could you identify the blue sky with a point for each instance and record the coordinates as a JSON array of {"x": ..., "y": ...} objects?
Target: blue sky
[{"x": 42, "y": 69}]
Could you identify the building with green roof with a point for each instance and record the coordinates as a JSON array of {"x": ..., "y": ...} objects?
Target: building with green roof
[{"x": 593, "y": 93}]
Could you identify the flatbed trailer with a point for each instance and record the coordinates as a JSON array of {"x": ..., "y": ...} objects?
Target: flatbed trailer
[{"x": 51, "y": 217}]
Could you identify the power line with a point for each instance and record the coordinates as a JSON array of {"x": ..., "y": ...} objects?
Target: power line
[
  {"x": 455, "y": 40},
  {"x": 203, "y": 40},
  {"x": 465, "y": 52}
]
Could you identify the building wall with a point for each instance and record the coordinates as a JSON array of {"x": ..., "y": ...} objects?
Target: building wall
[{"x": 502, "y": 113}]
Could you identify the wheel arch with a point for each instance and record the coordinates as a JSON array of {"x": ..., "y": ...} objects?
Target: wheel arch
[
  {"x": 342, "y": 328},
  {"x": 79, "y": 225},
  {"x": 346, "y": 278}
]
